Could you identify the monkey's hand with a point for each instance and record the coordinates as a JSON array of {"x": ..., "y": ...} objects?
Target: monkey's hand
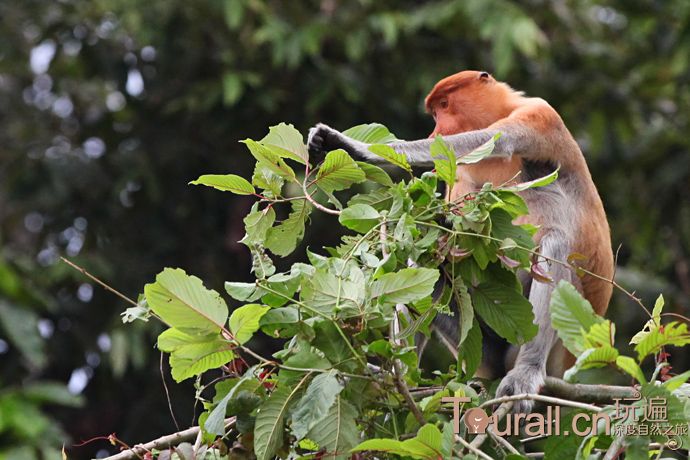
[
  {"x": 520, "y": 380},
  {"x": 322, "y": 139}
]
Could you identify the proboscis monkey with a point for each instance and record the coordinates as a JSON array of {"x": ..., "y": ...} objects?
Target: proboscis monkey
[{"x": 469, "y": 108}]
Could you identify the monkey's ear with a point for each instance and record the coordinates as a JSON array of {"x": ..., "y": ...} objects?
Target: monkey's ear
[{"x": 484, "y": 75}]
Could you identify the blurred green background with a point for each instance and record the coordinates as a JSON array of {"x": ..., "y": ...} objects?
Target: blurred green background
[{"x": 108, "y": 108}]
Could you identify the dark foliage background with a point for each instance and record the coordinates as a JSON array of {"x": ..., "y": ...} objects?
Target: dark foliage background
[{"x": 108, "y": 108}]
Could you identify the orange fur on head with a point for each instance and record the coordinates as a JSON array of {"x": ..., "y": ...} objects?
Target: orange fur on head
[{"x": 469, "y": 100}]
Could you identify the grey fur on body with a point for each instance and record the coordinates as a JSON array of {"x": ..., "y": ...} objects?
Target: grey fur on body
[{"x": 557, "y": 203}]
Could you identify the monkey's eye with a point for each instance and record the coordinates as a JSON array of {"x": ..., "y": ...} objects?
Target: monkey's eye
[
  {"x": 484, "y": 75},
  {"x": 443, "y": 103}
]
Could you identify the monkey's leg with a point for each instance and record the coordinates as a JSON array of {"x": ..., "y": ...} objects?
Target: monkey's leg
[{"x": 527, "y": 376}]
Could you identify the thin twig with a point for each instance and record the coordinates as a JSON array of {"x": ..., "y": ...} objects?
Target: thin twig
[
  {"x": 402, "y": 388},
  {"x": 501, "y": 412},
  {"x": 472, "y": 448},
  {"x": 316, "y": 204},
  {"x": 105, "y": 286},
  {"x": 614, "y": 449},
  {"x": 546, "y": 399},
  {"x": 167, "y": 394},
  {"x": 503, "y": 442},
  {"x": 164, "y": 442}
]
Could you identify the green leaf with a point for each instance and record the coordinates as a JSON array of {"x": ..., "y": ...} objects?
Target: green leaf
[
  {"x": 337, "y": 432},
  {"x": 244, "y": 292},
  {"x": 257, "y": 223},
  {"x": 480, "y": 152},
  {"x": 271, "y": 159},
  {"x": 372, "y": 133},
  {"x": 676, "y": 381},
  {"x": 182, "y": 301},
  {"x": 653, "y": 323},
  {"x": 329, "y": 341},
  {"x": 426, "y": 445},
  {"x": 287, "y": 142},
  {"x": 470, "y": 352},
  {"x": 592, "y": 358},
  {"x": 270, "y": 420},
  {"x": 671, "y": 334},
  {"x": 270, "y": 182},
  {"x": 505, "y": 310},
  {"x": 572, "y": 316},
  {"x": 629, "y": 365},
  {"x": 226, "y": 183},
  {"x": 194, "y": 354},
  {"x": 214, "y": 423},
  {"x": 540, "y": 182},
  {"x": 464, "y": 305},
  {"x": 316, "y": 402},
  {"x": 338, "y": 171},
  {"x": 306, "y": 359},
  {"x": 282, "y": 239},
  {"x": 406, "y": 285},
  {"x": 445, "y": 160},
  {"x": 244, "y": 321},
  {"x": 387, "y": 153},
  {"x": 375, "y": 174},
  {"x": 359, "y": 217},
  {"x": 324, "y": 292}
]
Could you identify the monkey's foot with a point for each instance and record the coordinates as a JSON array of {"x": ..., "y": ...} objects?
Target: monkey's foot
[{"x": 521, "y": 380}]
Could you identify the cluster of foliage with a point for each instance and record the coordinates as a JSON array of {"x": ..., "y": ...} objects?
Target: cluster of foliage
[{"x": 350, "y": 318}]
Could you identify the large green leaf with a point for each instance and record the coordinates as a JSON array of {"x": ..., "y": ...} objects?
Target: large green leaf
[
  {"x": 505, "y": 310},
  {"x": 226, "y": 183},
  {"x": 372, "y": 133},
  {"x": 183, "y": 302},
  {"x": 316, "y": 402},
  {"x": 480, "y": 152},
  {"x": 387, "y": 153},
  {"x": 214, "y": 423},
  {"x": 444, "y": 160},
  {"x": 244, "y": 321},
  {"x": 540, "y": 182},
  {"x": 270, "y": 182},
  {"x": 337, "y": 432},
  {"x": 426, "y": 445},
  {"x": 375, "y": 174},
  {"x": 359, "y": 217},
  {"x": 287, "y": 142},
  {"x": 270, "y": 420},
  {"x": 406, "y": 285},
  {"x": 470, "y": 352},
  {"x": 257, "y": 223},
  {"x": 631, "y": 367},
  {"x": 572, "y": 316},
  {"x": 338, "y": 171},
  {"x": 592, "y": 358},
  {"x": 671, "y": 334},
  {"x": 464, "y": 304},
  {"x": 193, "y": 354},
  {"x": 270, "y": 157},
  {"x": 282, "y": 239},
  {"x": 324, "y": 292}
]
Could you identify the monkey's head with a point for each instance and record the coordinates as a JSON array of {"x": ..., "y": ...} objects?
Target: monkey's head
[{"x": 467, "y": 101}]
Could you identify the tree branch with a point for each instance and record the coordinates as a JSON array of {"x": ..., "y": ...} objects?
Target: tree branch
[{"x": 164, "y": 442}]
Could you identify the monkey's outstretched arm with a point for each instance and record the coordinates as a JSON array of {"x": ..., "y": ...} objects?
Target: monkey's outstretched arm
[{"x": 525, "y": 132}]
